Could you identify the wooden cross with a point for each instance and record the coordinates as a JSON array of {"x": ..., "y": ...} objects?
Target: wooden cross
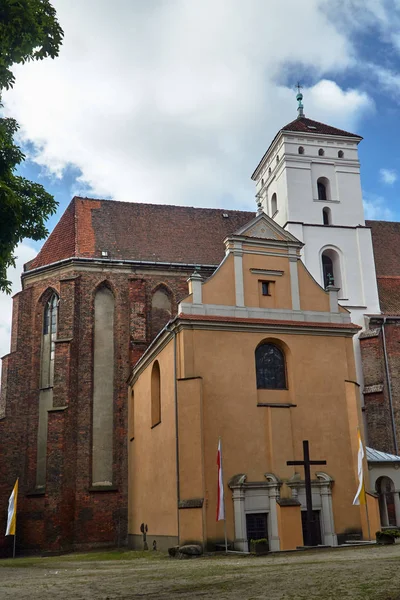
[{"x": 306, "y": 463}]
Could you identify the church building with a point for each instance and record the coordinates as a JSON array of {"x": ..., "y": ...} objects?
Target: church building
[
  {"x": 261, "y": 357},
  {"x": 112, "y": 275}
]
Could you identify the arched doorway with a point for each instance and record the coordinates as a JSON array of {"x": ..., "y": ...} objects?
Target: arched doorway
[{"x": 386, "y": 491}]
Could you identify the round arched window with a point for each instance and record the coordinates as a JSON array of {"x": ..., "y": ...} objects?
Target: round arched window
[
  {"x": 340, "y": 154},
  {"x": 301, "y": 150},
  {"x": 321, "y": 152},
  {"x": 270, "y": 367}
]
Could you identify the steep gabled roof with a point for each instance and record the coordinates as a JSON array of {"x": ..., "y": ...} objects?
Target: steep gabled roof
[
  {"x": 264, "y": 227},
  {"x": 146, "y": 232},
  {"x": 304, "y": 125}
]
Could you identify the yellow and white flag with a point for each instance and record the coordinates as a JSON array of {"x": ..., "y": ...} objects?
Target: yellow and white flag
[
  {"x": 12, "y": 511},
  {"x": 359, "y": 498}
]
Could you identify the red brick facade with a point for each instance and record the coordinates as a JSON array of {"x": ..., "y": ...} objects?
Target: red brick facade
[
  {"x": 381, "y": 375},
  {"x": 69, "y": 513}
]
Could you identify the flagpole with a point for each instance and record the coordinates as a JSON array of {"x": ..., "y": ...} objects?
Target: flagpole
[
  {"x": 221, "y": 516},
  {"x": 222, "y": 470},
  {"x": 15, "y": 537},
  {"x": 366, "y": 510}
]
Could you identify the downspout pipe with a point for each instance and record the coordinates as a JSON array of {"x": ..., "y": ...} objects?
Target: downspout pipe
[
  {"x": 389, "y": 384},
  {"x": 171, "y": 330}
]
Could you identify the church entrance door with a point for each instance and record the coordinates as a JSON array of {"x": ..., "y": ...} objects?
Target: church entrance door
[
  {"x": 317, "y": 525},
  {"x": 256, "y": 525}
]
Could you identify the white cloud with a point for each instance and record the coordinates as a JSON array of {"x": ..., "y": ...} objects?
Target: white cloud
[
  {"x": 23, "y": 252},
  {"x": 175, "y": 102},
  {"x": 375, "y": 208},
  {"x": 388, "y": 176}
]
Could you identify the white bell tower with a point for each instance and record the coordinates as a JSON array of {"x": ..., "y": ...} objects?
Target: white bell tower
[{"x": 308, "y": 181}]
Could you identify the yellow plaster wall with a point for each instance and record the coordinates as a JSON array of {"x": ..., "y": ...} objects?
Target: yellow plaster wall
[
  {"x": 257, "y": 439},
  {"x": 282, "y": 297},
  {"x": 220, "y": 287},
  {"x": 312, "y": 296},
  {"x": 371, "y": 521},
  {"x": 289, "y": 527},
  {"x": 152, "y": 492},
  {"x": 191, "y": 526}
]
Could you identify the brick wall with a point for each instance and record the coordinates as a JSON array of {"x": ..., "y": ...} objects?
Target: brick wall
[
  {"x": 69, "y": 515},
  {"x": 376, "y": 392}
]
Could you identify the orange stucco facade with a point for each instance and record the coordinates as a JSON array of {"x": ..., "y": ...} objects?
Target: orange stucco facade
[{"x": 208, "y": 390}]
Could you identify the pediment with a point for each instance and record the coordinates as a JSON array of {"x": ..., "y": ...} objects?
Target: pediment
[{"x": 264, "y": 228}]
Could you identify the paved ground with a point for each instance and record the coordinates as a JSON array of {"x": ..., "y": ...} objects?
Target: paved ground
[{"x": 368, "y": 573}]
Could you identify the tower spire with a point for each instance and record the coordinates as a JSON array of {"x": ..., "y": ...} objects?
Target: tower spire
[{"x": 299, "y": 98}]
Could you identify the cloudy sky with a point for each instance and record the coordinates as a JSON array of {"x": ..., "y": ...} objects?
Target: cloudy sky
[{"x": 175, "y": 101}]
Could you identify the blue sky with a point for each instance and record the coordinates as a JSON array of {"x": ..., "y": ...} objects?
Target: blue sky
[{"x": 175, "y": 101}]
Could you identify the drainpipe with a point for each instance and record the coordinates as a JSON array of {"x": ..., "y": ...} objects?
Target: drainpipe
[
  {"x": 389, "y": 384},
  {"x": 176, "y": 428}
]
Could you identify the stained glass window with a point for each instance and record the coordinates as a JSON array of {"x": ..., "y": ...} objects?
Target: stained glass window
[{"x": 270, "y": 367}]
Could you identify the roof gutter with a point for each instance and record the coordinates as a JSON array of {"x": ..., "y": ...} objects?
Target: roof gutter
[{"x": 116, "y": 262}]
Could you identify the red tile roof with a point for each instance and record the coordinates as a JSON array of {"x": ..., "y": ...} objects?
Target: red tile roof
[
  {"x": 61, "y": 242},
  {"x": 386, "y": 242},
  {"x": 389, "y": 294},
  {"x": 304, "y": 125},
  {"x": 147, "y": 232}
]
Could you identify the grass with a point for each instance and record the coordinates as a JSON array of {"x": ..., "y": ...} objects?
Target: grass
[{"x": 368, "y": 573}]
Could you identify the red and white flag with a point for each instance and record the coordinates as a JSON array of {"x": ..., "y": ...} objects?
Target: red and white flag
[{"x": 220, "y": 499}]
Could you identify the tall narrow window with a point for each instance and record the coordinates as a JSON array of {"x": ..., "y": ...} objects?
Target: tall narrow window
[
  {"x": 270, "y": 367},
  {"x": 48, "y": 343},
  {"x": 155, "y": 395},
  {"x": 49, "y": 335},
  {"x": 323, "y": 188},
  {"x": 103, "y": 388},
  {"x": 327, "y": 216},
  {"x": 274, "y": 204},
  {"x": 161, "y": 310}
]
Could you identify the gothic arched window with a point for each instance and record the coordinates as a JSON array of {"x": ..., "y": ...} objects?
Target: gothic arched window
[
  {"x": 50, "y": 323},
  {"x": 161, "y": 309},
  {"x": 270, "y": 367}
]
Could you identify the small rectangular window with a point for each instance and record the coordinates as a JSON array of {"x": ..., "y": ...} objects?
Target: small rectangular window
[{"x": 265, "y": 288}]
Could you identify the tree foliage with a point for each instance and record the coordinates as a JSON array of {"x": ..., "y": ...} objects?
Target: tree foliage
[{"x": 29, "y": 30}]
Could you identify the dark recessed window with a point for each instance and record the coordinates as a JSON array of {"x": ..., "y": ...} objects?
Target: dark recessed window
[
  {"x": 269, "y": 171},
  {"x": 301, "y": 150},
  {"x": 321, "y": 152},
  {"x": 265, "y": 288},
  {"x": 340, "y": 154},
  {"x": 270, "y": 367}
]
